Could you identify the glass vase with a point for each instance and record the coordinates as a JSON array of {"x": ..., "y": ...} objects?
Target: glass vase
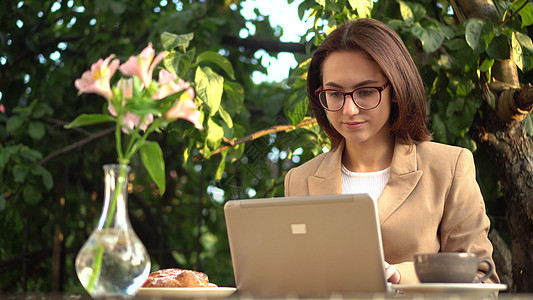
[{"x": 113, "y": 262}]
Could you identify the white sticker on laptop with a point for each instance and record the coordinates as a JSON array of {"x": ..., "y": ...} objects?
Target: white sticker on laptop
[{"x": 298, "y": 228}]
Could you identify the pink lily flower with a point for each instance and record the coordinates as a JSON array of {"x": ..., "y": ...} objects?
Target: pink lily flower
[
  {"x": 97, "y": 79},
  {"x": 185, "y": 107},
  {"x": 142, "y": 65},
  {"x": 131, "y": 120},
  {"x": 168, "y": 85}
]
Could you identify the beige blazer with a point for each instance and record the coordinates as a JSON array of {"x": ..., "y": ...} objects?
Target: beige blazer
[{"x": 431, "y": 203}]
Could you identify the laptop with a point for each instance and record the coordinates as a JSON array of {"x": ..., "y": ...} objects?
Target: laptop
[{"x": 311, "y": 246}]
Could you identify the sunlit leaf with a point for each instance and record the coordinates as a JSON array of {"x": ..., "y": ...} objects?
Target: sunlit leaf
[
  {"x": 227, "y": 123},
  {"x": 363, "y": 7},
  {"x": 522, "y": 51},
  {"x": 411, "y": 11},
  {"x": 219, "y": 60},
  {"x": 486, "y": 65},
  {"x": 221, "y": 165},
  {"x": 214, "y": 134},
  {"x": 526, "y": 11},
  {"x": 209, "y": 87},
  {"x": 152, "y": 158},
  {"x": 406, "y": 12}
]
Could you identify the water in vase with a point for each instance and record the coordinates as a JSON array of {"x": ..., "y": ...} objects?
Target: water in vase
[{"x": 124, "y": 263}]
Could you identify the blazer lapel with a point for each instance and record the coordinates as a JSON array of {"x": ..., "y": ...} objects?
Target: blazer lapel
[
  {"x": 327, "y": 178},
  {"x": 404, "y": 176}
]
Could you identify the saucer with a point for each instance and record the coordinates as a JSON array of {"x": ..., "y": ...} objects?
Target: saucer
[
  {"x": 199, "y": 292},
  {"x": 449, "y": 288}
]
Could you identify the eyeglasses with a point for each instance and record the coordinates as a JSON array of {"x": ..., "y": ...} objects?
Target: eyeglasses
[{"x": 367, "y": 97}]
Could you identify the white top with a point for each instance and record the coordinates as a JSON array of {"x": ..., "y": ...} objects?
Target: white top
[{"x": 371, "y": 183}]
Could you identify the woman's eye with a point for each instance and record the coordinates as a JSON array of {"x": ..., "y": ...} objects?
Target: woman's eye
[
  {"x": 366, "y": 92},
  {"x": 335, "y": 94}
]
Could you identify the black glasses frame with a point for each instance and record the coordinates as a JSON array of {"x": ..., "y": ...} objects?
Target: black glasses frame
[{"x": 352, "y": 93}]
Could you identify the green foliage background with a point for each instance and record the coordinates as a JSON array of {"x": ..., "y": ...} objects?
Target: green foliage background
[{"x": 51, "y": 189}]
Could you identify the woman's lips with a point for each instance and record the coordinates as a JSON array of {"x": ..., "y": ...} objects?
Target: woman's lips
[{"x": 353, "y": 125}]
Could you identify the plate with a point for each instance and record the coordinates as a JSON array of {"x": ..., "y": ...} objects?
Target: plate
[
  {"x": 199, "y": 292},
  {"x": 450, "y": 288}
]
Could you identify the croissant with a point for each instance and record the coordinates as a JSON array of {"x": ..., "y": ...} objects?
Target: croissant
[{"x": 175, "y": 277}]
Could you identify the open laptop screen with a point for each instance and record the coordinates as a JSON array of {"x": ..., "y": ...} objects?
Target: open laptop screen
[{"x": 313, "y": 246}]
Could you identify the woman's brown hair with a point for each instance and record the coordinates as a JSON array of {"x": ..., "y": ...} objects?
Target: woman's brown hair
[{"x": 381, "y": 44}]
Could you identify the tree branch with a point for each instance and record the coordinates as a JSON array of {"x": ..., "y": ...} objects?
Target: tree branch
[
  {"x": 269, "y": 45},
  {"x": 258, "y": 134},
  {"x": 514, "y": 14},
  {"x": 77, "y": 144}
]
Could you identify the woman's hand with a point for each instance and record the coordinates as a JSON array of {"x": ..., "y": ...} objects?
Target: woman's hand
[{"x": 393, "y": 276}]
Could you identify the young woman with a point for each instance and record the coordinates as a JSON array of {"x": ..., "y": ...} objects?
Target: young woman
[{"x": 367, "y": 95}]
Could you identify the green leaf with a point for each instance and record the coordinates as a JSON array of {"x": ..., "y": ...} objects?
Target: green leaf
[
  {"x": 526, "y": 12},
  {"x": 522, "y": 51},
  {"x": 4, "y": 158},
  {"x": 2, "y": 203},
  {"x": 214, "y": 134},
  {"x": 31, "y": 195},
  {"x": 45, "y": 175},
  {"x": 19, "y": 173},
  {"x": 499, "y": 48},
  {"x": 219, "y": 60},
  {"x": 235, "y": 94},
  {"x": 439, "y": 128},
  {"x": 456, "y": 44},
  {"x": 209, "y": 87},
  {"x": 152, "y": 158},
  {"x": 178, "y": 62},
  {"x": 31, "y": 154},
  {"x": 411, "y": 11},
  {"x": 296, "y": 108},
  {"x": 406, "y": 12},
  {"x": 221, "y": 165},
  {"x": 117, "y": 7},
  {"x": 226, "y": 117},
  {"x": 14, "y": 123},
  {"x": 363, "y": 7},
  {"x": 36, "y": 130},
  {"x": 430, "y": 36},
  {"x": 478, "y": 34},
  {"x": 486, "y": 65},
  {"x": 171, "y": 41},
  {"x": 89, "y": 119},
  {"x": 528, "y": 122}
]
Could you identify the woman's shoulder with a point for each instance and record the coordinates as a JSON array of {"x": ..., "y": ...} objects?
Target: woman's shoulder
[{"x": 443, "y": 153}]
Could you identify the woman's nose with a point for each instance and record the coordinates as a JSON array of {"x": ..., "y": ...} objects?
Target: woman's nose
[{"x": 349, "y": 106}]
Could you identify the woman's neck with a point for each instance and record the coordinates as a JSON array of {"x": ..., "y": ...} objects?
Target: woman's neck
[{"x": 369, "y": 156}]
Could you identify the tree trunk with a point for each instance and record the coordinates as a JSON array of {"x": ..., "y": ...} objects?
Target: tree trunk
[
  {"x": 502, "y": 134},
  {"x": 511, "y": 150}
]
